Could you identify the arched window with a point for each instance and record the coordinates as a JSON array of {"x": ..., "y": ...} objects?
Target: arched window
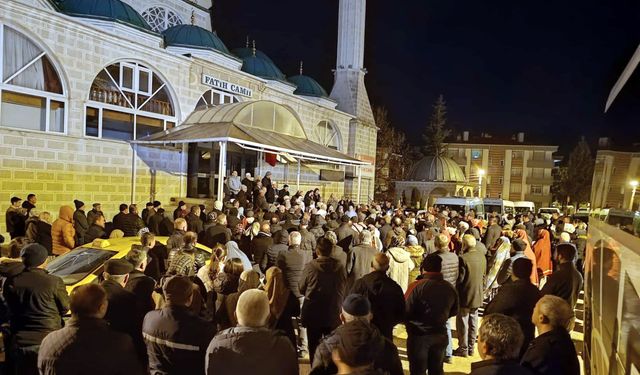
[
  {"x": 328, "y": 135},
  {"x": 31, "y": 89},
  {"x": 128, "y": 101},
  {"x": 212, "y": 98},
  {"x": 161, "y": 18}
]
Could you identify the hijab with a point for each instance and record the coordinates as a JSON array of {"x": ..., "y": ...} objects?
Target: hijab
[
  {"x": 248, "y": 280},
  {"x": 233, "y": 251}
]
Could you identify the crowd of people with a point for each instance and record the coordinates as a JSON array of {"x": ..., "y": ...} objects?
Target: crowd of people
[{"x": 292, "y": 275}]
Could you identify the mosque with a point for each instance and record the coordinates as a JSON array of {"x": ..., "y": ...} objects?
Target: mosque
[{"x": 117, "y": 101}]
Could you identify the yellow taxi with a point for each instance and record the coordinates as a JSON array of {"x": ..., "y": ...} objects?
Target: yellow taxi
[{"x": 84, "y": 264}]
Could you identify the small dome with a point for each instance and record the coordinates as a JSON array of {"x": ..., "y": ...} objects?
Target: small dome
[
  {"x": 193, "y": 36},
  {"x": 437, "y": 169},
  {"x": 259, "y": 64},
  {"x": 308, "y": 86},
  {"x": 111, "y": 10}
]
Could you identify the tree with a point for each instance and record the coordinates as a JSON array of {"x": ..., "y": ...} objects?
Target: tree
[
  {"x": 574, "y": 180},
  {"x": 437, "y": 131},
  {"x": 390, "y": 148}
]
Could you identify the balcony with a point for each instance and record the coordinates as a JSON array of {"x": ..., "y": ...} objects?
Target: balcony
[
  {"x": 539, "y": 198},
  {"x": 531, "y": 163},
  {"x": 539, "y": 180}
]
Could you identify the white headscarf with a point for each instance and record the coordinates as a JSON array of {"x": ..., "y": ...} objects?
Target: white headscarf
[{"x": 233, "y": 251}]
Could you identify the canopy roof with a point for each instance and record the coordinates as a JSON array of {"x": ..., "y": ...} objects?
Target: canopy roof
[{"x": 259, "y": 125}]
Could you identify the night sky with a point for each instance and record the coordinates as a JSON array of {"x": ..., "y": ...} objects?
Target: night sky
[{"x": 542, "y": 67}]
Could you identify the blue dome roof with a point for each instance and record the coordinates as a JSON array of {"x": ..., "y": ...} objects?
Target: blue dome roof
[
  {"x": 112, "y": 10},
  {"x": 308, "y": 86},
  {"x": 193, "y": 36},
  {"x": 259, "y": 64}
]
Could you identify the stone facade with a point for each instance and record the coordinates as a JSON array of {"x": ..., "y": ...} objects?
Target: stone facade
[
  {"x": 612, "y": 174},
  {"x": 61, "y": 167}
]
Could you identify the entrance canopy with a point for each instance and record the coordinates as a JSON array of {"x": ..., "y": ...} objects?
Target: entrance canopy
[{"x": 263, "y": 126}]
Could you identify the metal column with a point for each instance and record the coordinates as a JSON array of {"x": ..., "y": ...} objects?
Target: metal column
[
  {"x": 133, "y": 173},
  {"x": 298, "y": 177},
  {"x": 222, "y": 168},
  {"x": 359, "y": 171}
]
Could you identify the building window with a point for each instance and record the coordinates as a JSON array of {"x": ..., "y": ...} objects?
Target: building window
[
  {"x": 536, "y": 189},
  {"x": 212, "y": 98},
  {"x": 161, "y": 18},
  {"x": 515, "y": 188},
  {"x": 328, "y": 135},
  {"x": 476, "y": 154},
  {"x": 31, "y": 93},
  {"x": 500, "y": 180},
  {"x": 516, "y": 154},
  {"x": 537, "y": 172},
  {"x": 127, "y": 101},
  {"x": 502, "y": 163},
  {"x": 516, "y": 172}
]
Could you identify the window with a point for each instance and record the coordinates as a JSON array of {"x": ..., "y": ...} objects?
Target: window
[
  {"x": 516, "y": 154},
  {"x": 212, "y": 98},
  {"x": 160, "y": 18},
  {"x": 128, "y": 101},
  {"x": 537, "y": 172},
  {"x": 500, "y": 180},
  {"x": 327, "y": 135},
  {"x": 515, "y": 188},
  {"x": 502, "y": 163},
  {"x": 31, "y": 94},
  {"x": 476, "y": 154},
  {"x": 536, "y": 189},
  {"x": 516, "y": 172}
]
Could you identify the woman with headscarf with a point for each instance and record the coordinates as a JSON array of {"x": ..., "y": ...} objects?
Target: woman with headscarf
[
  {"x": 416, "y": 251},
  {"x": 501, "y": 254},
  {"x": 400, "y": 263},
  {"x": 233, "y": 251},
  {"x": 529, "y": 253},
  {"x": 282, "y": 303},
  {"x": 225, "y": 316}
]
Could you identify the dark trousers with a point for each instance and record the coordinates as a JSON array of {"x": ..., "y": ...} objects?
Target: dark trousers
[
  {"x": 467, "y": 328},
  {"x": 314, "y": 335},
  {"x": 426, "y": 353},
  {"x": 23, "y": 360}
]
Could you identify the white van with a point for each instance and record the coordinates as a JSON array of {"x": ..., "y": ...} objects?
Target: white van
[
  {"x": 523, "y": 207},
  {"x": 499, "y": 206},
  {"x": 461, "y": 205}
]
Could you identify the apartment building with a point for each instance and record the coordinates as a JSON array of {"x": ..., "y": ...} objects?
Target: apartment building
[
  {"x": 513, "y": 169},
  {"x": 612, "y": 176}
]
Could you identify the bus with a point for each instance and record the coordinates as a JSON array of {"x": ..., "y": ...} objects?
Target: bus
[
  {"x": 499, "y": 206},
  {"x": 461, "y": 205},
  {"x": 612, "y": 301}
]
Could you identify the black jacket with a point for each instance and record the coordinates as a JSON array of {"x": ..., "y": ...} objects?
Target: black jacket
[
  {"x": 123, "y": 314},
  {"x": 194, "y": 224},
  {"x": 517, "y": 300},
  {"x": 552, "y": 353},
  {"x": 260, "y": 245},
  {"x": 245, "y": 350},
  {"x": 386, "y": 298},
  {"x": 308, "y": 240},
  {"x": 565, "y": 282},
  {"x": 323, "y": 284},
  {"x": 39, "y": 231},
  {"x": 88, "y": 346},
  {"x": 81, "y": 225},
  {"x": 37, "y": 301},
  {"x": 492, "y": 235},
  {"x": 292, "y": 262},
  {"x": 274, "y": 252},
  {"x": 94, "y": 231},
  {"x": 430, "y": 304},
  {"x": 450, "y": 267},
  {"x": 176, "y": 341},
  {"x": 498, "y": 367},
  {"x": 473, "y": 266},
  {"x": 387, "y": 361},
  {"x": 141, "y": 286},
  {"x": 160, "y": 225},
  {"x": 216, "y": 234}
]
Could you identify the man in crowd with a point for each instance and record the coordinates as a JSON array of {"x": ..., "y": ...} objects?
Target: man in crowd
[
  {"x": 323, "y": 284},
  {"x": 139, "y": 284},
  {"x": 451, "y": 273},
  {"x": 36, "y": 301},
  {"x": 498, "y": 342},
  {"x": 552, "y": 352},
  {"x": 493, "y": 233},
  {"x": 194, "y": 224},
  {"x": 218, "y": 233},
  {"x": 30, "y": 203},
  {"x": 15, "y": 218},
  {"x": 249, "y": 183},
  {"x": 429, "y": 305},
  {"x": 251, "y": 347},
  {"x": 95, "y": 211},
  {"x": 308, "y": 239},
  {"x": 96, "y": 228},
  {"x": 176, "y": 339},
  {"x": 517, "y": 299},
  {"x": 473, "y": 266},
  {"x": 566, "y": 280},
  {"x": 62, "y": 232},
  {"x": 118, "y": 219},
  {"x": 260, "y": 245},
  {"x": 87, "y": 344},
  {"x": 80, "y": 222},
  {"x": 356, "y": 326},
  {"x": 384, "y": 294},
  {"x": 362, "y": 256}
]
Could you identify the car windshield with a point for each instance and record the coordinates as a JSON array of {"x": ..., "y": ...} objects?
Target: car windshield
[
  {"x": 491, "y": 208},
  {"x": 548, "y": 210},
  {"x": 77, "y": 264}
]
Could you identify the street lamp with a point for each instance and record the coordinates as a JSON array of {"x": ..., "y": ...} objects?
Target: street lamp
[
  {"x": 480, "y": 175},
  {"x": 634, "y": 186}
]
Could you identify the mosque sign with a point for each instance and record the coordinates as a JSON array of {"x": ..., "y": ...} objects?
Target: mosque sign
[{"x": 226, "y": 86}]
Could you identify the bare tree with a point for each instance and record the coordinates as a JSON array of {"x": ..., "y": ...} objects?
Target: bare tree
[{"x": 390, "y": 148}]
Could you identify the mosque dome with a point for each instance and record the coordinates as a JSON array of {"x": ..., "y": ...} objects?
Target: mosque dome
[
  {"x": 192, "y": 36},
  {"x": 308, "y": 86},
  {"x": 111, "y": 10},
  {"x": 437, "y": 169},
  {"x": 258, "y": 64}
]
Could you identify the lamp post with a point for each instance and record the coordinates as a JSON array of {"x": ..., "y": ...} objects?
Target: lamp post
[
  {"x": 480, "y": 175},
  {"x": 634, "y": 186}
]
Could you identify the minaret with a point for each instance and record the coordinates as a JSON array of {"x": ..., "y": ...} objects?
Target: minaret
[{"x": 348, "y": 88}]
